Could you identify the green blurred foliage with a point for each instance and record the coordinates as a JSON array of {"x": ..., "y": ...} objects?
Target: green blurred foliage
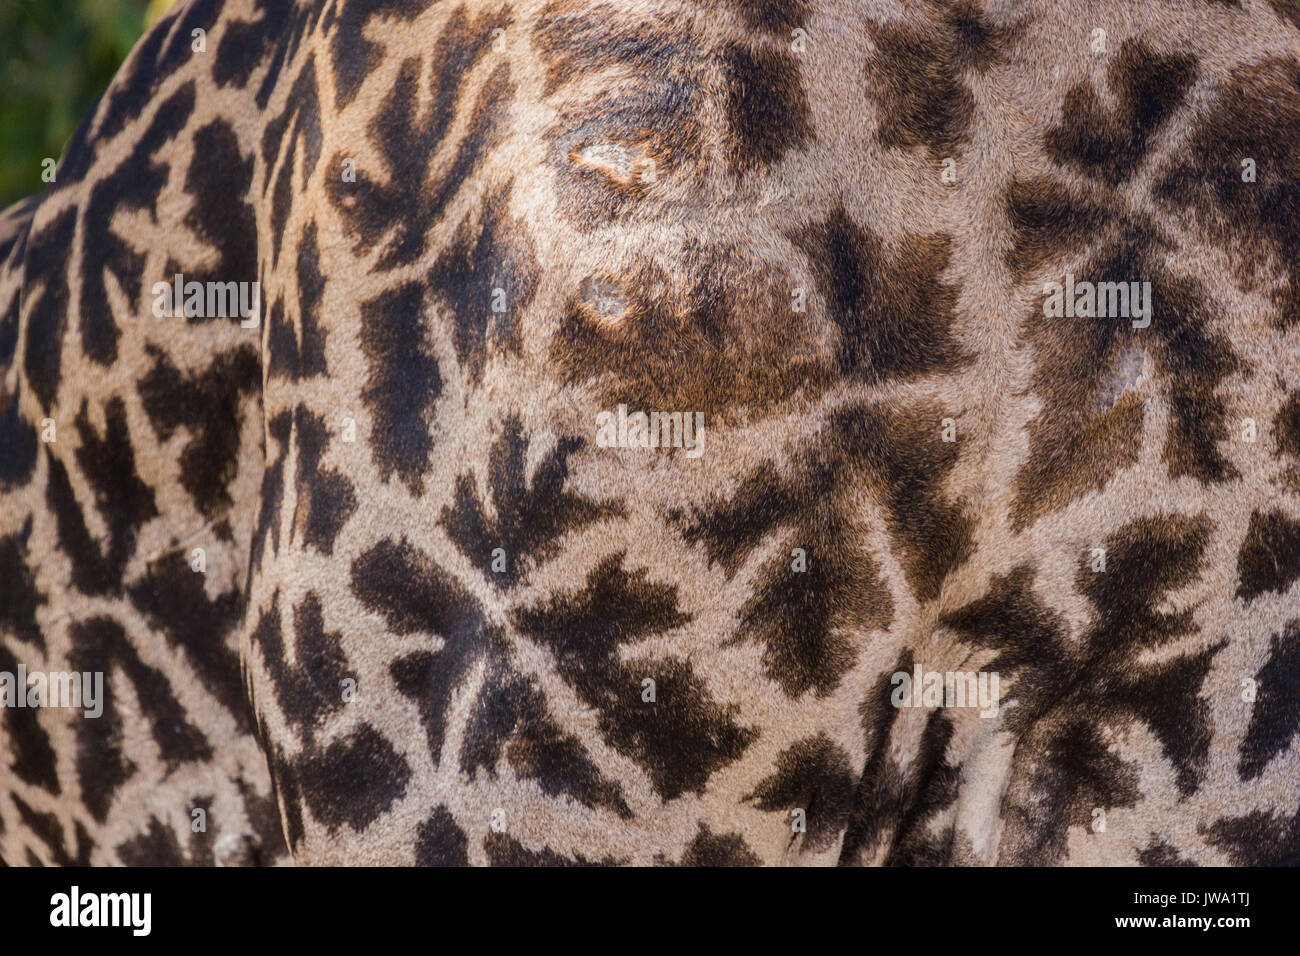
[{"x": 56, "y": 57}]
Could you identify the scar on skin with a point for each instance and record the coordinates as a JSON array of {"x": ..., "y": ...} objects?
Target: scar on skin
[
  {"x": 1126, "y": 373},
  {"x": 605, "y": 298},
  {"x": 625, "y": 164}
]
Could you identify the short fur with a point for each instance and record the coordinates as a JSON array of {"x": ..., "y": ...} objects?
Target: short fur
[{"x": 647, "y": 190}]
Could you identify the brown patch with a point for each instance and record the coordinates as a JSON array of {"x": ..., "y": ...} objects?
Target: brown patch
[
  {"x": 767, "y": 109},
  {"x": 504, "y": 850},
  {"x": 1258, "y": 838},
  {"x": 486, "y": 278},
  {"x": 804, "y": 618},
  {"x": 1269, "y": 558},
  {"x": 576, "y": 40},
  {"x": 1275, "y": 715},
  {"x": 719, "y": 334},
  {"x": 326, "y": 497},
  {"x": 1047, "y": 220},
  {"x": 681, "y": 738},
  {"x": 976, "y": 44},
  {"x": 527, "y": 519},
  {"x": 801, "y": 617},
  {"x": 1159, "y": 852},
  {"x": 1256, "y": 116},
  {"x": 403, "y": 383},
  {"x": 48, "y": 828},
  {"x": 174, "y": 601},
  {"x": 1108, "y": 144},
  {"x": 906, "y": 463},
  {"x": 1077, "y": 444},
  {"x": 1088, "y": 430},
  {"x": 898, "y": 457},
  {"x": 714, "y": 849},
  {"x": 509, "y": 714},
  {"x": 894, "y": 311},
  {"x": 1192, "y": 363},
  {"x": 812, "y": 775},
  {"x": 31, "y": 756},
  {"x": 398, "y": 207},
  {"x": 306, "y": 682},
  {"x": 773, "y": 16},
  {"x": 916, "y": 77},
  {"x": 44, "y": 305},
  {"x": 354, "y": 57},
  {"x": 208, "y": 403},
  {"x": 1286, "y": 427},
  {"x": 107, "y": 464},
  {"x": 103, "y": 761},
  {"x": 894, "y": 806},
  {"x": 440, "y": 842},
  {"x": 1072, "y": 689},
  {"x": 23, "y": 599}
]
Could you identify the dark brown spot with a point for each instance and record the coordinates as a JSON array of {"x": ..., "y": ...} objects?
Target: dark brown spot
[
  {"x": 915, "y": 77},
  {"x": 355, "y": 57},
  {"x": 894, "y": 311},
  {"x": 767, "y": 109},
  {"x": 1256, "y": 116},
  {"x": 1275, "y": 716},
  {"x": 403, "y": 383},
  {"x": 1109, "y": 144},
  {"x": 174, "y": 600},
  {"x": 210, "y": 404},
  {"x": 353, "y": 781},
  {"x": 22, "y": 598},
  {"x": 326, "y": 499},
  {"x": 398, "y": 208},
  {"x": 715, "y": 849},
  {"x": 1069, "y": 689},
  {"x": 1082, "y": 438},
  {"x": 1047, "y": 221},
  {"x": 773, "y": 16},
  {"x": 487, "y": 277},
  {"x": 504, "y": 850},
  {"x": 47, "y": 828},
  {"x": 1286, "y": 427},
  {"x": 440, "y": 842},
  {"x": 683, "y": 736},
  {"x": 527, "y": 520},
  {"x": 217, "y": 181},
  {"x": 1161, "y": 853},
  {"x": 1269, "y": 558},
  {"x": 102, "y": 761},
  {"x": 309, "y": 689},
  {"x": 812, "y": 775},
  {"x": 718, "y": 335}
]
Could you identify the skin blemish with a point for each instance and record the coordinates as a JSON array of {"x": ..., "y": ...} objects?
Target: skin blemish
[
  {"x": 1127, "y": 372},
  {"x": 626, "y": 164},
  {"x": 604, "y": 298}
]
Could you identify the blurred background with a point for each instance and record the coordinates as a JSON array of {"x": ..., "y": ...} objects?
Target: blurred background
[{"x": 56, "y": 57}]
